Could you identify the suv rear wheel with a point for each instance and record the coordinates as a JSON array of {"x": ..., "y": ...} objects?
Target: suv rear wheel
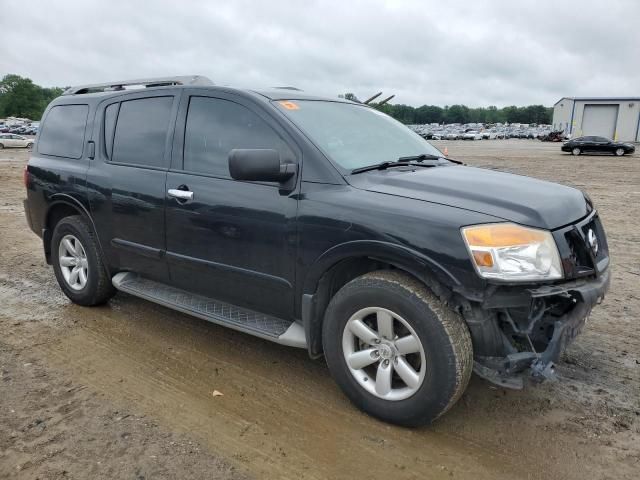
[
  {"x": 78, "y": 264},
  {"x": 395, "y": 350}
]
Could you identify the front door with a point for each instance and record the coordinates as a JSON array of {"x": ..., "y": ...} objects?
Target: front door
[{"x": 230, "y": 240}]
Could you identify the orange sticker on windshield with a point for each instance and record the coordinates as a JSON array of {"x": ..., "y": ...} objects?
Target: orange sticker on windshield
[{"x": 289, "y": 105}]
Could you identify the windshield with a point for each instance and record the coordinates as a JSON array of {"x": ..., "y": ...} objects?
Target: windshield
[{"x": 355, "y": 136}]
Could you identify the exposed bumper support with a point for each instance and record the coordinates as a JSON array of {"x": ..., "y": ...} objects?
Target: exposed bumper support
[{"x": 554, "y": 315}]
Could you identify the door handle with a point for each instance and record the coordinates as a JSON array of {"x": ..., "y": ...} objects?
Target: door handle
[{"x": 180, "y": 194}]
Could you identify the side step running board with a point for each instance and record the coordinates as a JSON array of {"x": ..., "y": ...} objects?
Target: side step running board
[{"x": 255, "y": 323}]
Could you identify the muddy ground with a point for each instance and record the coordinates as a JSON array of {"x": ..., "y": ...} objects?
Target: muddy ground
[{"x": 125, "y": 390}]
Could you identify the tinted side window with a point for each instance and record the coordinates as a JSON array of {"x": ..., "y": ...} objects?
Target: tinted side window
[
  {"x": 141, "y": 131},
  {"x": 215, "y": 127},
  {"x": 62, "y": 133},
  {"x": 110, "y": 115}
]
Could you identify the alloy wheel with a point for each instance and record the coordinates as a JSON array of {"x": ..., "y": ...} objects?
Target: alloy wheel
[
  {"x": 383, "y": 353},
  {"x": 73, "y": 262}
]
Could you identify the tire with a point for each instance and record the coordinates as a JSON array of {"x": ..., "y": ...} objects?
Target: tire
[
  {"x": 29, "y": 145},
  {"x": 442, "y": 364},
  {"x": 618, "y": 152},
  {"x": 576, "y": 151},
  {"x": 1, "y": 146},
  {"x": 97, "y": 287}
]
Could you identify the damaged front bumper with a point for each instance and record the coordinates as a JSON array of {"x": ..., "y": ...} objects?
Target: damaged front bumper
[{"x": 521, "y": 333}]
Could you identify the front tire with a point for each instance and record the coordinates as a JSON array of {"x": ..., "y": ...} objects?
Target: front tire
[
  {"x": 395, "y": 350},
  {"x": 576, "y": 151},
  {"x": 78, "y": 264},
  {"x": 619, "y": 152}
]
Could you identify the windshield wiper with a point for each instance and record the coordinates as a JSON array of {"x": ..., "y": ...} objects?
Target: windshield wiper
[
  {"x": 412, "y": 160},
  {"x": 397, "y": 163},
  {"x": 420, "y": 158},
  {"x": 428, "y": 156}
]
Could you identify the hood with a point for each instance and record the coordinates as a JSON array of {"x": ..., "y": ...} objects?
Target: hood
[{"x": 516, "y": 198}]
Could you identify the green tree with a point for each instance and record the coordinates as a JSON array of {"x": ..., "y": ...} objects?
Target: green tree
[
  {"x": 456, "y": 114},
  {"x": 464, "y": 114},
  {"x": 20, "y": 97}
]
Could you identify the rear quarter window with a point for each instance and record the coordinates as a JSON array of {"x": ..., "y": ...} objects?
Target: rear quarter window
[{"x": 62, "y": 133}]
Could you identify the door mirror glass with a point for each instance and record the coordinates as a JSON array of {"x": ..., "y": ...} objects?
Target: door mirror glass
[{"x": 259, "y": 165}]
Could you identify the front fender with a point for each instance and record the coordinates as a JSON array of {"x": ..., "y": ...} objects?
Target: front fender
[
  {"x": 412, "y": 261},
  {"x": 315, "y": 299}
]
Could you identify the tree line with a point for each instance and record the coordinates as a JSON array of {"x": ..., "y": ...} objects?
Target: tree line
[
  {"x": 463, "y": 114},
  {"x": 20, "y": 97}
]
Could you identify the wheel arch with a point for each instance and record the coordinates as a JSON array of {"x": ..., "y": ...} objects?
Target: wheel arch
[
  {"x": 344, "y": 262},
  {"x": 63, "y": 205}
]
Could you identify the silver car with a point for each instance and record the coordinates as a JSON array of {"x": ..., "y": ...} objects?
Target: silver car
[{"x": 11, "y": 140}]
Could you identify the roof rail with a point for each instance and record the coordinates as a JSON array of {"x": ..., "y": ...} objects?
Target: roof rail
[
  {"x": 289, "y": 88},
  {"x": 146, "y": 82}
]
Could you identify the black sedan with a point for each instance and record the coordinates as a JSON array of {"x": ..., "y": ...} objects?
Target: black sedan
[{"x": 597, "y": 145}]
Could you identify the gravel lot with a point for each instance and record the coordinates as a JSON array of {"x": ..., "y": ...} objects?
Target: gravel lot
[{"x": 125, "y": 390}]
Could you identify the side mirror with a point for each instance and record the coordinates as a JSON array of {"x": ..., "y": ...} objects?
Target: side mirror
[{"x": 259, "y": 165}]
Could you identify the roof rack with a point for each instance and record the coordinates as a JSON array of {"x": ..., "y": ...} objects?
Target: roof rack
[{"x": 145, "y": 82}]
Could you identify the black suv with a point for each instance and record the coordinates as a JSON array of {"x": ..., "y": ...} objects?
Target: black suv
[{"x": 316, "y": 223}]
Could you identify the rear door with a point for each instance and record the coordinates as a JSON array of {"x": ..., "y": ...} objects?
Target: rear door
[
  {"x": 588, "y": 145},
  {"x": 127, "y": 179},
  {"x": 14, "y": 141},
  {"x": 601, "y": 144},
  {"x": 233, "y": 241}
]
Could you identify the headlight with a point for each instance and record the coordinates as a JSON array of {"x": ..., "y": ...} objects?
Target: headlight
[{"x": 505, "y": 251}]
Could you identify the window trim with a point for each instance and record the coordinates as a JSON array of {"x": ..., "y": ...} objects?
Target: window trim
[
  {"x": 103, "y": 130},
  {"x": 169, "y": 136},
  {"x": 177, "y": 162}
]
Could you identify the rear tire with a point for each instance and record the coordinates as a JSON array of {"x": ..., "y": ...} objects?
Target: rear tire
[
  {"x": 29, "y": 145},
  {"x": 442, "y": 341},
  {"x": 1, "y": 146},
  {"x": 576, "y": 151},
  {"x": 91, "y": 286}
]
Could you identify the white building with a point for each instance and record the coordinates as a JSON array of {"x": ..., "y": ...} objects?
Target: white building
[{"x": 616, "y": 117}]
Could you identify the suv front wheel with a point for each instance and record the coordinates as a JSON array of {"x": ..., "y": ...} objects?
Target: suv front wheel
[
  {"x": 77, "y": 263},
  {"x": 395, "y": 350}
]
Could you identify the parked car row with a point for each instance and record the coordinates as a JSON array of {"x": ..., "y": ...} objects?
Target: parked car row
[
  {"x": 475, "y": 131},
  {"x": 19, "y": 130}
]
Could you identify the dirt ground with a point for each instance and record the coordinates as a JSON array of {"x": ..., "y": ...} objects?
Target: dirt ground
[{"x": 125, "y": 390}]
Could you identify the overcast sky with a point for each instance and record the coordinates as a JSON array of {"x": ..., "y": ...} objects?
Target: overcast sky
[{"x": 426, "y": 52}]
